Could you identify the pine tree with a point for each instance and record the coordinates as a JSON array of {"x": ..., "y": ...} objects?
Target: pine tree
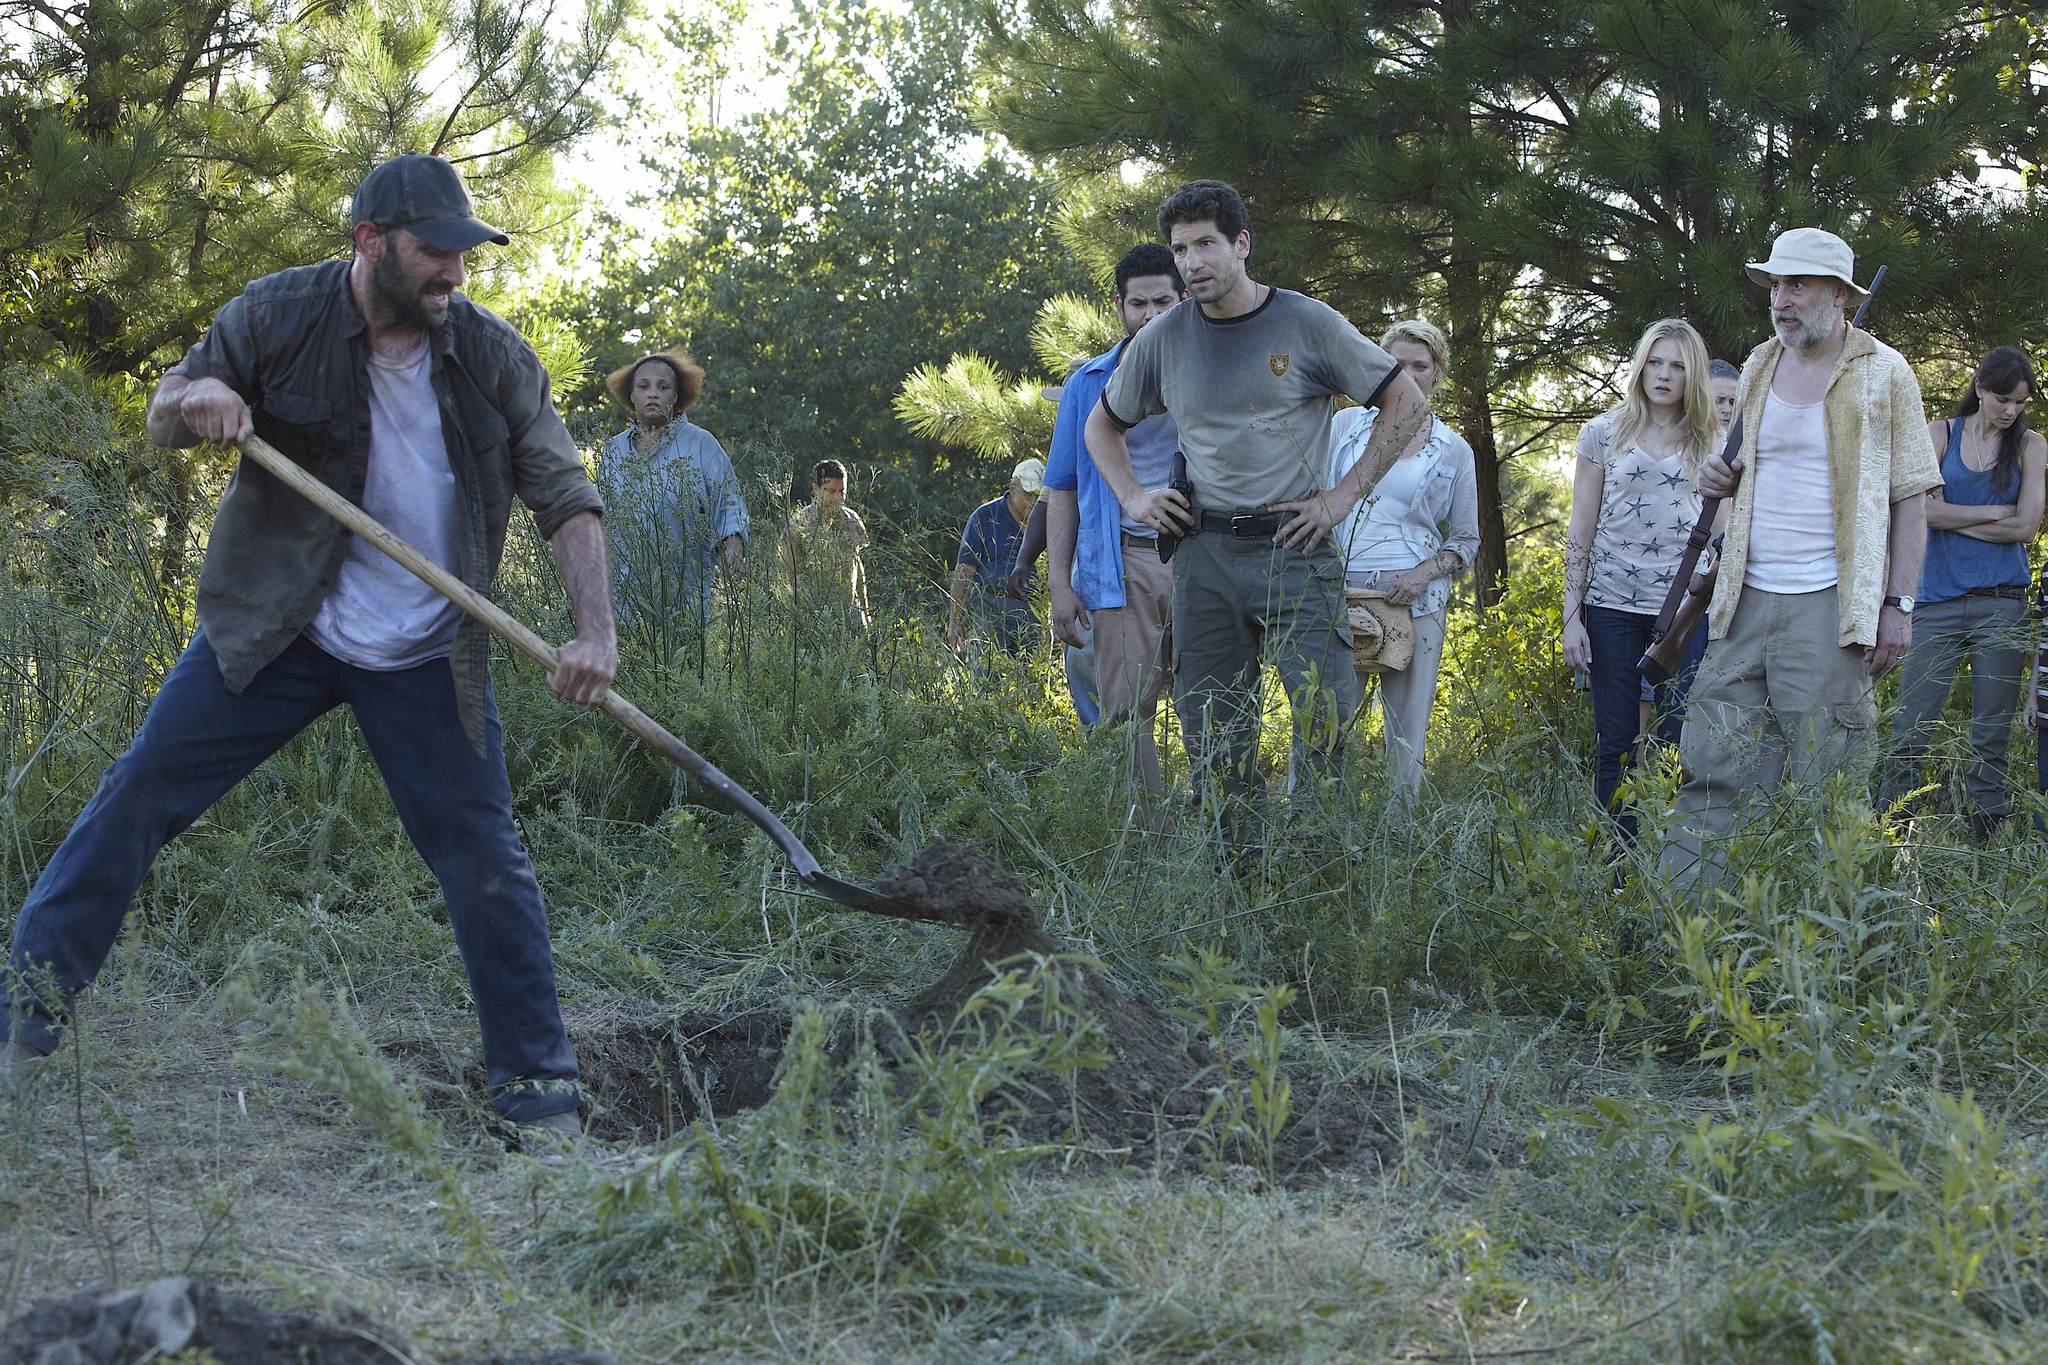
[{"x": 159, "y": 153}]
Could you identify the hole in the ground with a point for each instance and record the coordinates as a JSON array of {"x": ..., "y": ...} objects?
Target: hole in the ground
[{"x": 647, "y": 1079}]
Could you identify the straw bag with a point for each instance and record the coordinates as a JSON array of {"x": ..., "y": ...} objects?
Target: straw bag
[{"x": 1382, "y": 632}]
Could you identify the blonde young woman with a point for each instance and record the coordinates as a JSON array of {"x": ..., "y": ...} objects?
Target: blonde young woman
[
  {"x": 1634, "y": 498},
  {"x": 1419, "y": 527}
]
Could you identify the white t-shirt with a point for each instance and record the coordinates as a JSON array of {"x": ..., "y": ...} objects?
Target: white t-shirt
[
  {"x": 378, "y": 615},
  {"x": 1792, "y": 531},
  {"x": 1374, "y": 540}
]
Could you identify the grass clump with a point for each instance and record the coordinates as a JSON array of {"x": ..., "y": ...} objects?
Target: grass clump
[{"x": 1479, "y": 1100}]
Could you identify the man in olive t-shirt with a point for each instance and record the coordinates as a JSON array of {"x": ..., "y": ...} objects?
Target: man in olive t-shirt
[{"x": 1248, "y": 372}]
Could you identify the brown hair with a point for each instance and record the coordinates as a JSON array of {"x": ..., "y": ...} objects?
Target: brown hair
[{"x": 2002, "y": 370}]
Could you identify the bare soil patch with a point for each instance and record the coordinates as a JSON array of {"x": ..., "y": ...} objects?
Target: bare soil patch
[
  {"x": 175, "y": 1315},
  {"x": 650, "y": 1077}
]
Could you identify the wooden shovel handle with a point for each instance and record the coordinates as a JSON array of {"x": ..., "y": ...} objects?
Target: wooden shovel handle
[
  {"x": 505, "y": 625},
  {"x": 426, "y": 570}
]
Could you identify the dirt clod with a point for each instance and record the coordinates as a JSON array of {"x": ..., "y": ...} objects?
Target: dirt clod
[{"x": 958, "y": 884}]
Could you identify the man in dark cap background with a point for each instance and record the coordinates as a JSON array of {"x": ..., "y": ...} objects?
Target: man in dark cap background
[{"x": 432, "y": 414}]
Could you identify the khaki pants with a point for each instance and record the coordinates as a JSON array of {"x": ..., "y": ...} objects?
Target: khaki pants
[
  {"x": 1130, "y": 651},
  {"x": 1234, "y": 601},
  {"x": 1406, "y": 698},
  {"x": 1776, "y": 699}
]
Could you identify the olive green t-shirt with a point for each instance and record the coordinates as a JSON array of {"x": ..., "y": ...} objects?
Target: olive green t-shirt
[{"x": 1251, "y": 394}]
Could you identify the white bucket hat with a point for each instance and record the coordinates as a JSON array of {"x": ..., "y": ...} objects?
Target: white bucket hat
[
  {"x": 1029, "y": 475},
  {"x": 1809, "y": 251}
]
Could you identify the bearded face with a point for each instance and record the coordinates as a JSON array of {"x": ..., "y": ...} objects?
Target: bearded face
[
  {"x": 411, "y": 282},
  {"x": 1805, "y": 309}
]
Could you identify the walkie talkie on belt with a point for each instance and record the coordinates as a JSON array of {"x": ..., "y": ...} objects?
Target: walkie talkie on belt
[{"x": 1169, "y": 541}]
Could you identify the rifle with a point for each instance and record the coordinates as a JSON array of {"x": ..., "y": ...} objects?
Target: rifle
[{"x": 1691, "y": 591}]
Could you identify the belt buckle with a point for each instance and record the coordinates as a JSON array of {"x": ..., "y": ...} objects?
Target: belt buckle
[{"x": 1241, "y": 524}]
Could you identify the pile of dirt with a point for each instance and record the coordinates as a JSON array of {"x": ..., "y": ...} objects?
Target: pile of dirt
[
  {"x": 958, "y": 884},
  {"x": 1149, "y": 1082},
  {"x": 178, "y": 1314}
]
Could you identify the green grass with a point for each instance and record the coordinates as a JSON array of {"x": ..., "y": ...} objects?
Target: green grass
[{"x": 1803, "y": 1122}]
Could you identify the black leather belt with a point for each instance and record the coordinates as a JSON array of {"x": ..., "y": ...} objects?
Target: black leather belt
[
  {"x": 2015, "y": 592},
  {"x": 1244, "y": 525}
]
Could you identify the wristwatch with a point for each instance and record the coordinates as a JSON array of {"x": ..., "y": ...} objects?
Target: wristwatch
[{"x": 1904, "y": 604}]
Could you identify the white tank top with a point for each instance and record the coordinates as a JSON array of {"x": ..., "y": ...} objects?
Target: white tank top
[{"x": 1792, "y": 522}]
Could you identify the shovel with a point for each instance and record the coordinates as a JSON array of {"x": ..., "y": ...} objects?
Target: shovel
[{"x": 613, "y": 705}]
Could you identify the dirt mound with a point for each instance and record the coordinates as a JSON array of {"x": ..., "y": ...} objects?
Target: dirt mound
[
  {"x": 649, "y": 1077},
  {"x": 173, "y": 1315},
  {"x": 1148, "y": 1081}
]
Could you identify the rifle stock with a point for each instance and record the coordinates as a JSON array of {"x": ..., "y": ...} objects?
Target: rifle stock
[{"x": 1676, "y": 623}]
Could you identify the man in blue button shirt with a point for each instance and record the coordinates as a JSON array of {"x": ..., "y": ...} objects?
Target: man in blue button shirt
[
  {"x": 988, "y": 547},
  {"x": 1106, "y": 572}
]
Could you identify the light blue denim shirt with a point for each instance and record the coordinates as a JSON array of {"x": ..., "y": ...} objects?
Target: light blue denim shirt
[
  {"x": 674, "y": 508},
  {"x": 1098, "y": 543},
  {"x": 1443, "y": 512}
]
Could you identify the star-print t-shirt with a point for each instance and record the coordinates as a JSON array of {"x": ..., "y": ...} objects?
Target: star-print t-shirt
[{"x": 1647, "y": 505}]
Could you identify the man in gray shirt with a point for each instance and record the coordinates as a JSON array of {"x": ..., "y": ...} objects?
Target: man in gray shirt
[{"x": 1248, "y": 372}]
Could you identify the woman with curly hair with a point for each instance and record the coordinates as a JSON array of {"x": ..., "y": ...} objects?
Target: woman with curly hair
[{"x": 672, "y": 499}]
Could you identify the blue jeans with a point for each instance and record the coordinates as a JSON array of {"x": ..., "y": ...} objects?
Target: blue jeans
[
  {"x": 1618, "y": 639},
  {"x": 199, "y": 740}
]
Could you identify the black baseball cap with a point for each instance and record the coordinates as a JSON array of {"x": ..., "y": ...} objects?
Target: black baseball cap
[{"x": 425, "y": 195}]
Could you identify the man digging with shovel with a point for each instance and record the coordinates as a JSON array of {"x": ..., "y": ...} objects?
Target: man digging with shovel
[{"x": 430, "y": 413}]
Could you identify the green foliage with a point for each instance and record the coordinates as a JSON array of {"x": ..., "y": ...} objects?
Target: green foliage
[
  {"x": 160, "y": 155},
  {"x": 864, "y": 1173},
  {"x": 316, "y": 1042},
  {"x": 968, "y": 403},
  {"x": 1252, "y": 1099},
  {"x": 813, "y": 256}
]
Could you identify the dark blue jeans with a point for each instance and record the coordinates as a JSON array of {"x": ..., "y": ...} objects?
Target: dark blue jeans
[
  {"x": 1618, "y": 639},
  {"x": 199, "y": 740}
]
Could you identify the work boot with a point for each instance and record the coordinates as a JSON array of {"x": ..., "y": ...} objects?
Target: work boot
[
  {"x": 17, "y": 1059},
  {"x": 551, "y": 1132}
]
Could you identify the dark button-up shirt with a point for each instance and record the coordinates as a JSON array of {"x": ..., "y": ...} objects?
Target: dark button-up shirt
[{"x": 297, "y": 351}]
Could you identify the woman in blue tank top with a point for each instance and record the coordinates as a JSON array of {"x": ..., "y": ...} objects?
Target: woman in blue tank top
[{"x": 1973, "y": 589}]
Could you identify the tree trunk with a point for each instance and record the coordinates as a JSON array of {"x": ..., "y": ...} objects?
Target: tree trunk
[
  {"x": 1472, "y": 313},
  {"x": 172, "y": 562},
  {"x": 1475, "y": 423}
]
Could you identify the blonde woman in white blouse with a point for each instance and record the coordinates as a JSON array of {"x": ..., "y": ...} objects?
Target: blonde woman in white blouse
[{"x": 1418, "y": 529}]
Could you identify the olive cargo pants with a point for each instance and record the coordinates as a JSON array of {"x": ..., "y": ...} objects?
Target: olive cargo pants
[{"x": 1236, "y": 600}]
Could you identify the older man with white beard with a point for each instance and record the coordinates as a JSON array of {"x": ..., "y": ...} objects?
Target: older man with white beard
[{"x": 1823, "y": 547}]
